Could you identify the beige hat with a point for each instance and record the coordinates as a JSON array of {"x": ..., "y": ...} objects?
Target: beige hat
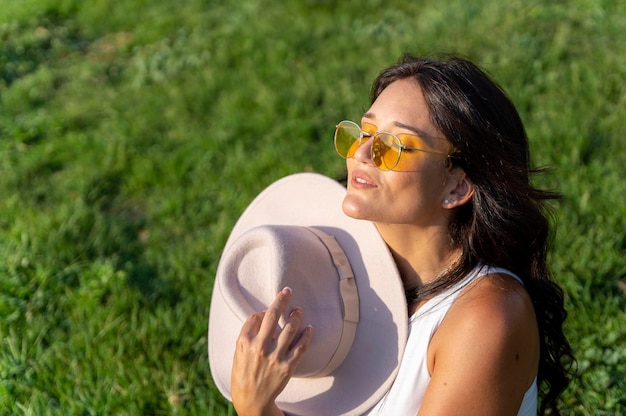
[{"x": 342, "y": 276}]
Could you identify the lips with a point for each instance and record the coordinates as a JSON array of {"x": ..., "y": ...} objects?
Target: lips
[{"x": 360, "y": 180}]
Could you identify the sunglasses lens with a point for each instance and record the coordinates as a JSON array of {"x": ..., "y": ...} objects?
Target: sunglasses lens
[
  {"x": 347, "y": 138},
  {"x": 385, "y": 151}
]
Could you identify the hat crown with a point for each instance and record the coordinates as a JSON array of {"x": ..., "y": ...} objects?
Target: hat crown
[{"x": 266, "y": 259}]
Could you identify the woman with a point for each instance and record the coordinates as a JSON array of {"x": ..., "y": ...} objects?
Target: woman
[{"x": 440, "y": 164}]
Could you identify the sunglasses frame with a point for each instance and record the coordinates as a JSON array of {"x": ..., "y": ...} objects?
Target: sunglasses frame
[{"x": 364, "y": 135}]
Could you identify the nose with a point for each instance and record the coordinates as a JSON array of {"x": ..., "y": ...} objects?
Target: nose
[{"x": 364, "y": 152}]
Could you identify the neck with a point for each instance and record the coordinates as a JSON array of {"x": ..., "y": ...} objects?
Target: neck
[{"x": 421, "y": 255}]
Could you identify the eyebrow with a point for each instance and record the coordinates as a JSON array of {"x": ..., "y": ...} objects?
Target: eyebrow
[{"x": 418, "y": 132}]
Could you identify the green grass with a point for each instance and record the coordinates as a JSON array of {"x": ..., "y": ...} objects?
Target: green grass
[{"x": 133, "y": 134}]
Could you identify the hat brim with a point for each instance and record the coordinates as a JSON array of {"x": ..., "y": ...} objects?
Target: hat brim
[{"x": 309, "y": 199}]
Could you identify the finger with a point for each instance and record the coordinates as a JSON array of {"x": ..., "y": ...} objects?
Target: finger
[
  {"x": 252, "y": 325},
  {"x": 300, "y": 345},
  {"x": 290, "y": 330},
  {"x": 273, "y": 313}
]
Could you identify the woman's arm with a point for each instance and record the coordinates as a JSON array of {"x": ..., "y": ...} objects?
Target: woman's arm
[
  {"x": 263, "y": 364},
  {"x": 485, "y": 354}
]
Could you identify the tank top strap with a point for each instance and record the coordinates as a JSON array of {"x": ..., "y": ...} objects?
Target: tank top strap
[{"x": 485, "y": 270}]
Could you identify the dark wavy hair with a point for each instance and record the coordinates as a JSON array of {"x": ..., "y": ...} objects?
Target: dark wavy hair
[{"x": 505, "y": 224}]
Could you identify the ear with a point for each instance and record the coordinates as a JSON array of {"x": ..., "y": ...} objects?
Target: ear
[{"x": 460, "y": 189}]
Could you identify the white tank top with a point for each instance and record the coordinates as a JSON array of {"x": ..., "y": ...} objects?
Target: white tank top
[{"x": 406, "y": 393}]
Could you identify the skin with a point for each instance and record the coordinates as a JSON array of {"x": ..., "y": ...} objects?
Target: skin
[
  {"x": 263, "y": 365},
  {"x": 485, "y": 354}
]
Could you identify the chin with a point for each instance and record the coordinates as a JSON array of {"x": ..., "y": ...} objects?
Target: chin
[{"x": 353, "y": 208}]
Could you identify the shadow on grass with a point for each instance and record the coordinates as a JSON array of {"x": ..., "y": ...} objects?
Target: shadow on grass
[{"x": 111, "y": 228}]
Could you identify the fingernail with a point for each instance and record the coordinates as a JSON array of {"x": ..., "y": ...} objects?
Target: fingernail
[
  {"x": 286, "y": 290},
  {"x": 295, "y": 311}
]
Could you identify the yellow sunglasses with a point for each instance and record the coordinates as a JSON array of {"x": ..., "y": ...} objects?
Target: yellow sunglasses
[{"x": 386, "y": 147}]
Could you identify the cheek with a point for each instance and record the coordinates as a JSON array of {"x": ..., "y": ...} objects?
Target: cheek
[
  {"x": 403, "y": 197},
  {"x": 417, "y": 196}
]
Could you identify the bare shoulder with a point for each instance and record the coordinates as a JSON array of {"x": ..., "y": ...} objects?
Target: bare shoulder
[
  {"x": 497, "y": 295},
  {"x": 495, "y": 305},
  {"x": 486, "y": 351}
]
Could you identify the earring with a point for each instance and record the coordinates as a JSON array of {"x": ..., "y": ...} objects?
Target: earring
[{"x": 449, "y": 201}]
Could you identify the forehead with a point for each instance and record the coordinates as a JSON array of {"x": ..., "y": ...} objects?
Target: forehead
[{"x": 402, "y": 101}]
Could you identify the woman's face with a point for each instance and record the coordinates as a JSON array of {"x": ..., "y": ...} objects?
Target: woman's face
[{"x": 415, "y": 194}]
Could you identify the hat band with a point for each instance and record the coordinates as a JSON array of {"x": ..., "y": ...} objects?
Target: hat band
[{"x": 349, "y": 298}]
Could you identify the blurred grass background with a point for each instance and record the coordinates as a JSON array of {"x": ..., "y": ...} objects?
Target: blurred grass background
[{"x": 133, "y": 134}]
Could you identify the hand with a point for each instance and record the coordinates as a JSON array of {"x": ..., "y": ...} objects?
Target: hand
[{"x": 263, "y": 364}]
